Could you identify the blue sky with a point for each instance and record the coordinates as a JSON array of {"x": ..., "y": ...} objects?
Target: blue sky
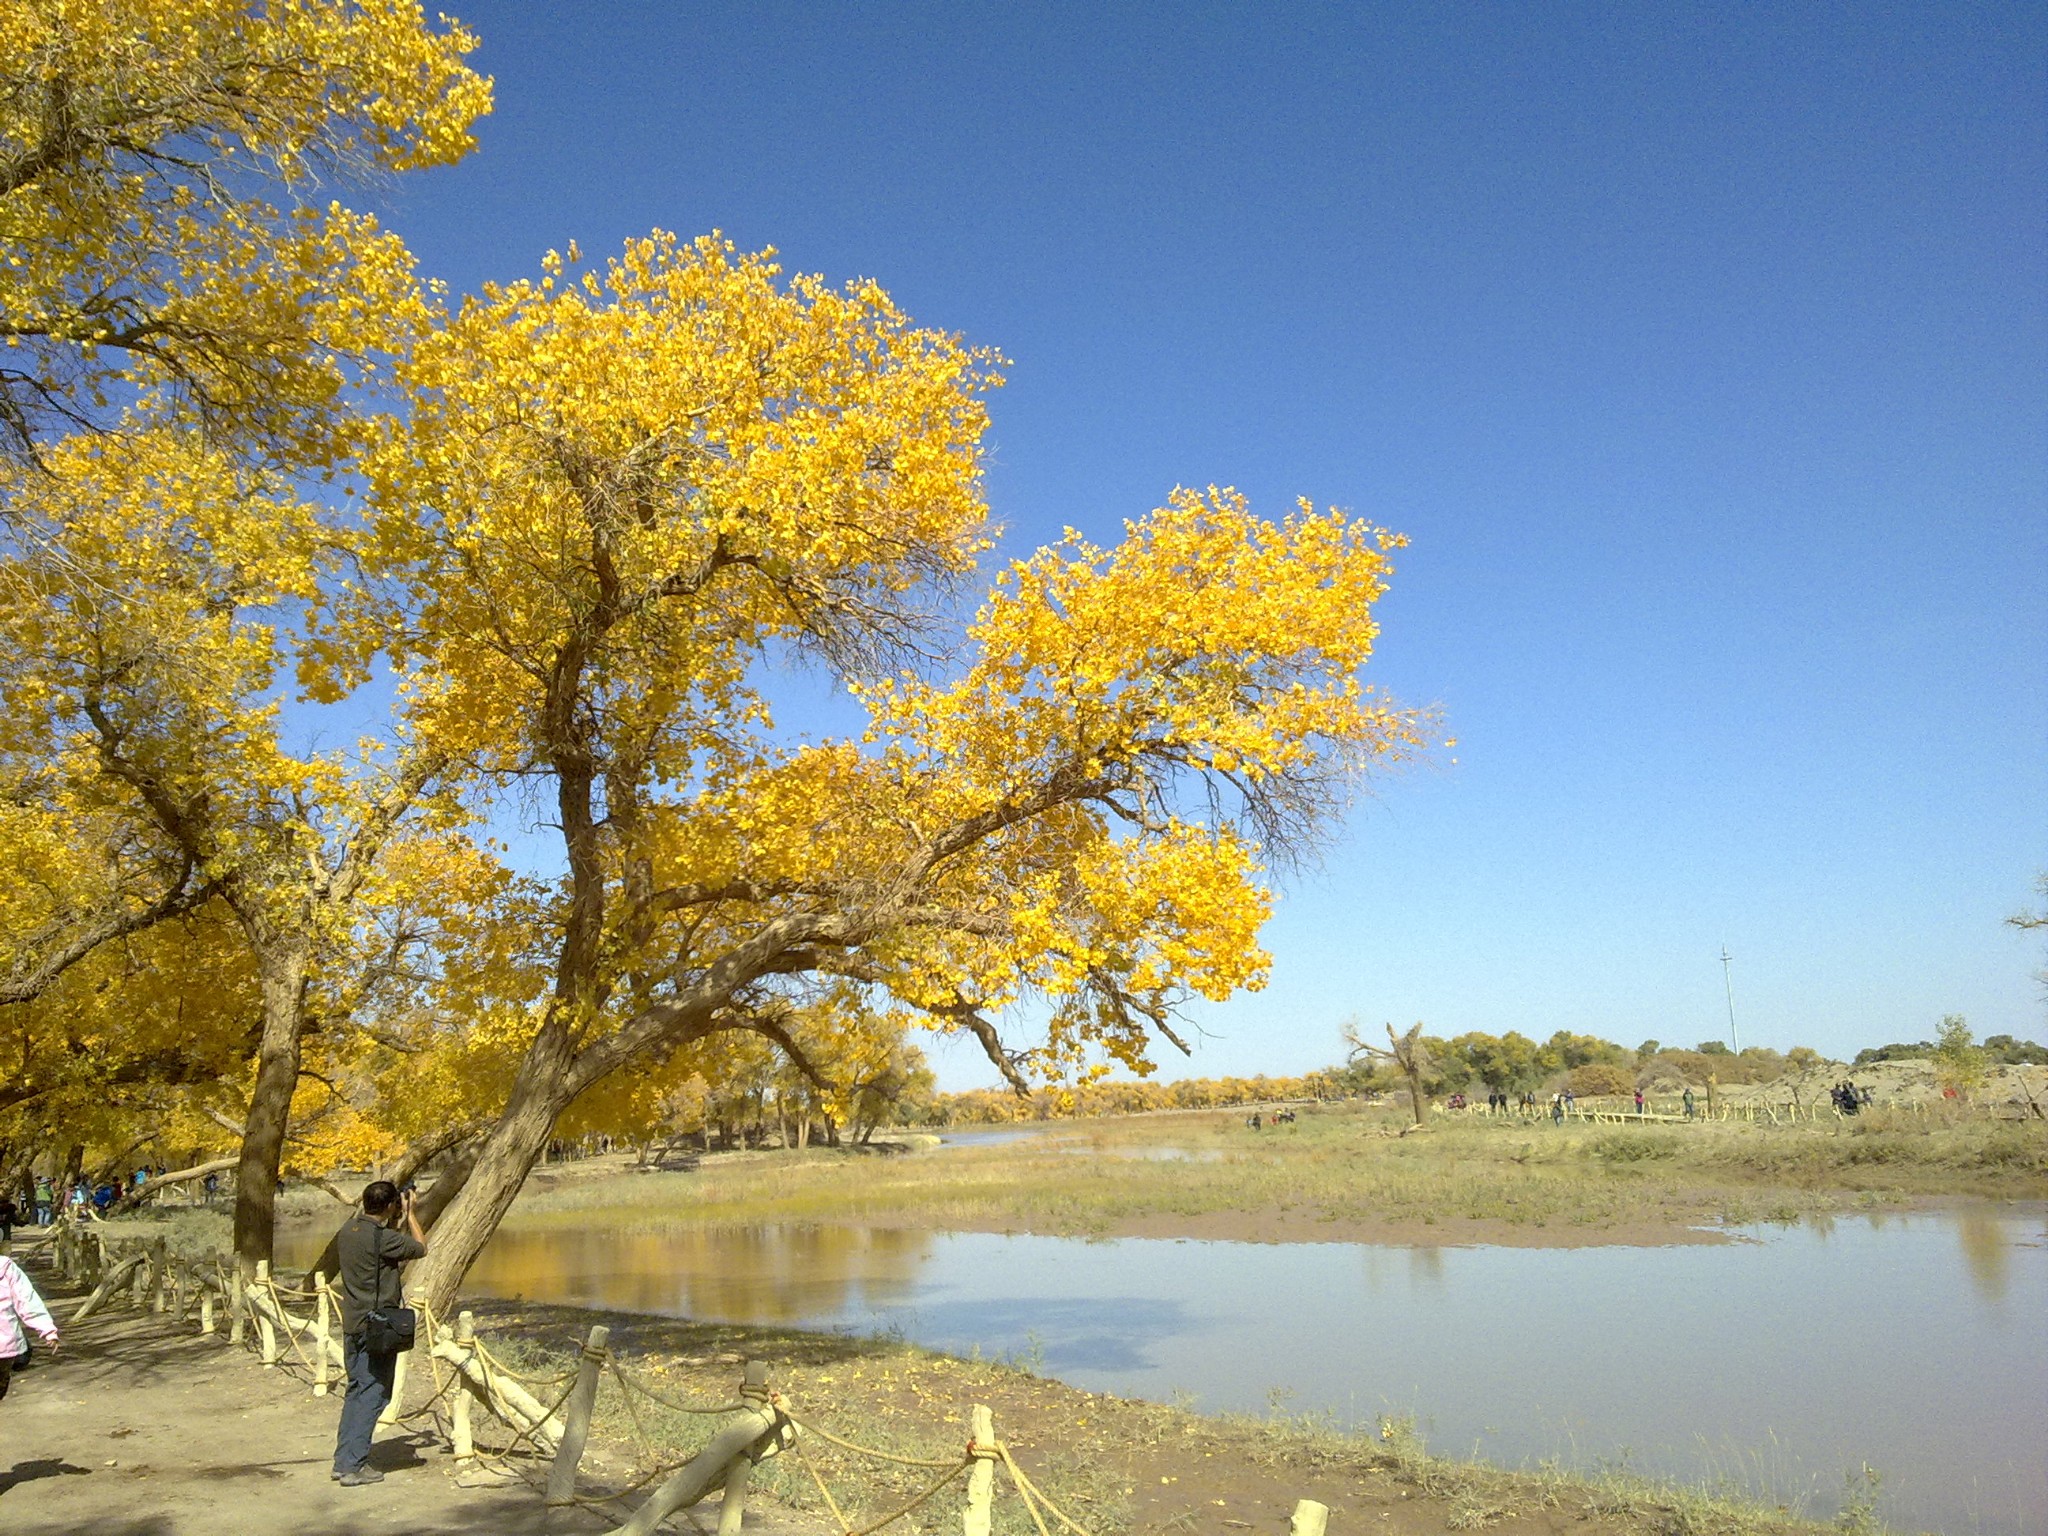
[{"x": 1701, "y": 351}]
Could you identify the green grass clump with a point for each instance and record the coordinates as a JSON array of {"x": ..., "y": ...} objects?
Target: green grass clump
[{"x": 1634, "y": 1146}]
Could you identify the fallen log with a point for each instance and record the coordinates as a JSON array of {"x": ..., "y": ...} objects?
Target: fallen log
[{"x": 109, "y": 1283}]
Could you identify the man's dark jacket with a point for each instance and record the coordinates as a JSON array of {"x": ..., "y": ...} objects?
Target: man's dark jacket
[{"x": 370, "y": 1254}]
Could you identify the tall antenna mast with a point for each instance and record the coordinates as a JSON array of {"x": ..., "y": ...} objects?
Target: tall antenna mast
[{"x": 1727, "y": 981}]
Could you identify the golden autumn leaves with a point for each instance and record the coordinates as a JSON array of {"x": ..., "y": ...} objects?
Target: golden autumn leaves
[
  {"x": 160, "y": 244},
  {"x": 550, "y": 549}
]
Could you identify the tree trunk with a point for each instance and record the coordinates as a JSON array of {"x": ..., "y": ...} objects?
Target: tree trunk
[
  {"x": 505, "y": 1157},
  {"x": 1416, "y": 1099},
  {"x": 421, "y": 1151},
  {"x": 282, "y": 974},
  {"x": 449, "y": 1183},
  {"x": 17, "y": 1172}
]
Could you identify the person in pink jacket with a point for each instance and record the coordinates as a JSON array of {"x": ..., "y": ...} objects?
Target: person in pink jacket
[{"x": 19, "y": 1304}]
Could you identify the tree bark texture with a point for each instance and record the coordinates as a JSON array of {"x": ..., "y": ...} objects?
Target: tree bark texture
[{"x": 282, "y": 971}]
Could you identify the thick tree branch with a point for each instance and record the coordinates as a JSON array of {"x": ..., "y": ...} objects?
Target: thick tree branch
[{"x": 181, "y": 897}]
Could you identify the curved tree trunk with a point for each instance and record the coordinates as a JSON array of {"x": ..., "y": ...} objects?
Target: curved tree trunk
[
  {"x": 448, "y": 1183},
  {"x": 282, "y": 974},
  {"x": 503, "y": 1159}
]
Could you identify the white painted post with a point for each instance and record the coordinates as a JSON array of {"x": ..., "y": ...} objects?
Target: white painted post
[
  {"x": 461, "y": 1440},
  {"x": 975, "y": 1519},
  {"x": 732, "y": 1507},
  {"x": 1309, "y": 1518},
  {"x": 266, "y": 1330},
  {"x": 322, "y": 1331},
  {"x": 392, "y": 1409},
  {"x": 576, "y": 1420}
]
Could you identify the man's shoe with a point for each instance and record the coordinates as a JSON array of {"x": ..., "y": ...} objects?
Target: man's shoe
[{"x": 360, "y": 1476}]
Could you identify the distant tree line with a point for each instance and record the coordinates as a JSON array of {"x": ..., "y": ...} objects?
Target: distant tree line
[
  {"x": 1510, "y": 1063},
  {"x": 998, "y": 1106},
  {"x": 1513, "y": 1063},
  {"x": 1999, "y": 1050}
]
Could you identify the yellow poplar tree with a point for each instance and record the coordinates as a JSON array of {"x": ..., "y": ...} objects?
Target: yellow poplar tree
[
  {"x": 108, "y": 1054},
  {"x": 157, "y": 165},
  {"x": 146, "y": 637},
  {"x": 188, "y": 334},
  {"x": 74, "y": 877},
  {"x": 626, "y": 490}
]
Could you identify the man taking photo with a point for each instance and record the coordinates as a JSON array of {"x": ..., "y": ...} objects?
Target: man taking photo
[{"x": 375, "y": 1326}]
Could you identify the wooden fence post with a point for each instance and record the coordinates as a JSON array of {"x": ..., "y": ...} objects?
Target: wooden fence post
[
  {"x": 323, "y": 1330},
  {"x": 732, "y": 1507},
  {"x": 576, "y": 1419},
  {"x": 266, "y": 1330},
  {"x": 205, "y": 1307},
  {"x": 975, "y": 1519},
  {"x": 238, "y": 1307},
  {"x": 1309, "y": 1518},
  {"x": 159, "y": 1276},
  {"x": 461, "y": 1441},
  {"x": 393, "y": 1408},
  {"x": 712, "y": 1464}
]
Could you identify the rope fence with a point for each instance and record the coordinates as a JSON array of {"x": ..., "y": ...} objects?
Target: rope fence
[{"x": 542, "y": 1421}]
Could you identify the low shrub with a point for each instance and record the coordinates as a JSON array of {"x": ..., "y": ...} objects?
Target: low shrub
[
  {"x": 1600, "y": 1079},
  {"x": 1633, "y": 1147}
]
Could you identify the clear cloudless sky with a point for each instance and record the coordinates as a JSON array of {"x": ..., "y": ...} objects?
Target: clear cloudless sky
[{"x": 1702, "y": 351}]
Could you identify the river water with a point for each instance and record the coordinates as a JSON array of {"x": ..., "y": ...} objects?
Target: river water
[{"x": 1776, "y": 1364}]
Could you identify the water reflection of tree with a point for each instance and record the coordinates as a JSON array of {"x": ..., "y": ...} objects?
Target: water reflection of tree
[
  {"x": 755, "y": 1274},
  {"x": 1987, "y": 1252},
  {"x": 1426, "y": 1267}
]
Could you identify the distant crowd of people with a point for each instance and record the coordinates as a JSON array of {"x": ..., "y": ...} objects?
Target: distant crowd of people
[
  {"x": 49, "y": 1197},
  {"x": 1563, "y": 1102}
]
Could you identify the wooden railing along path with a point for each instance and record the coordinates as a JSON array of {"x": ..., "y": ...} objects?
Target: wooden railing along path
[{"x": 1754, "y": 1111}]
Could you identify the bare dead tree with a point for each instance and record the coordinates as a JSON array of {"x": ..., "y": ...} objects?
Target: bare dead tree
[{"x": 1405, "y": 1052}]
